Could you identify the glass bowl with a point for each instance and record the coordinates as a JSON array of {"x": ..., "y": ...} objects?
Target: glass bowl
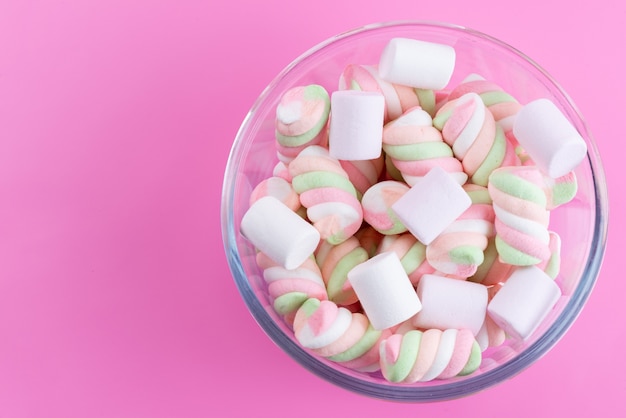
[{"x": 582, "y": 223}]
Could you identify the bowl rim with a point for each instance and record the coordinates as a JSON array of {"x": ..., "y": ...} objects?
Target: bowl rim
[{"x": 470, "y": 384}]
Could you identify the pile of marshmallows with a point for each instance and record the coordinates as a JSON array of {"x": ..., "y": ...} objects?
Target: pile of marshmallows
[{"x": 405, "y": 228}]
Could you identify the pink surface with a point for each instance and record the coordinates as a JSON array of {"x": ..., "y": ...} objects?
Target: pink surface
[{"x": 116, "y": 119}]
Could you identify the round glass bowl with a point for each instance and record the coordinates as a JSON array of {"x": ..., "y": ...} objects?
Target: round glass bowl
[{"x": 581, "y": 223}]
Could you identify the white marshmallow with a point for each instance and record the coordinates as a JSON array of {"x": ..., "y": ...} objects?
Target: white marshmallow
[
  {"x": 279, "y": 232},
  {"x": 549, "y": 138},
  {"x": 450, "y": 303},
  {"x": 414, "y": 63},
  {"x": 356, "y": 125},
  {"x": 523, "y": 302},
  {"x": 431, "y": 205},
  {"x": 384, "y": 290}
]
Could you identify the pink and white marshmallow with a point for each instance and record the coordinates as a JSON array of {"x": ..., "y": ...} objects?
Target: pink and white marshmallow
[
  {"x": 330, "y": 199},
  {"x": 502, "y": 105},
  {"x": 301, "y": 120},
  {"x": 335, "y": 262},
  {"x": 416, "y": 356},
  {"x": 415, "y": 146},
  {"x": 279, "y": 188},
  {"x": 289, "y": 289},
  {"x": 476, "y": 140},
  {"x": 459, "y": 249},
  {"x": 338, "y": 335},
  {"x": 522, "y": 218},
  {"x": 377, "y": 202}
]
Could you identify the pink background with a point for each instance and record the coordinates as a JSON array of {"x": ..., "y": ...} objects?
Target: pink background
[{"x": 116, "y": 119}]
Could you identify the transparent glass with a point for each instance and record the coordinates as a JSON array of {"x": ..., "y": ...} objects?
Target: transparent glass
[{"x": 582, "y": 223}]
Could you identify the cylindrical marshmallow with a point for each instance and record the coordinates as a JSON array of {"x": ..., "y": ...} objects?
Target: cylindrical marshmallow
[
  {"x": 524, "y": 301},
  {"x": 431, "y": 205},
  {"x": 549, "y": 138},
  {"x": 279, "y": 232},
  {"x": 356, "y": 125},
  {"x": 384, "y": 290},
  {"x": 450, "y": 303},
  {"x": 415, "y": 63}
]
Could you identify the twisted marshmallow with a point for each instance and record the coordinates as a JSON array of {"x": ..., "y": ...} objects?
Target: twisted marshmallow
[
  {"x": 335, "y": 262},
  {"x": 418, "y": 356},
  {"x": 377, "y": 202},
  {"x": 495, "y": 272},
  {"x": 470, "y": 129},
  {"x": 560, "y": 190},
  {"x": 521, "y": 221},
  {"x": 327, "y": 193},
  {"x": 279, "y": 188},
  {"x": 501, "y": 104},
  {"x": 458, "y": 250},
  {"x": 301, "y": 120},
  {"x": 415, "y": 146},
  {"x": 338, "y": 335},
  {"x": 289, "y": 289}
]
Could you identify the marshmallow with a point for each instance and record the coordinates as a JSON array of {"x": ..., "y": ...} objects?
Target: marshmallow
[
  {"x": 524, "y": 301},
  {"x": 431, "y": 205},
  {"x": 416, "y": 63},
  {"x": 450, "y": 303},
  {"x": 385, "y": 291},
  {"x": 376, "y": 203},
  {"x": 548, "y": 137},
  {"x": 279, "y": 232},
  {"x": 560, "y": 190},
  {"x": 279, "y": 188},
  {"x": 356, "y": 125}
]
